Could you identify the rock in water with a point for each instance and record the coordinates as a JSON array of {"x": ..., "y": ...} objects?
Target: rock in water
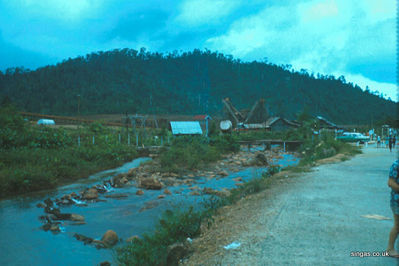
[
  {"x": 139, "y": 192},
  {"x": 150, "y": 183},
  {"x": 132, "y": 172},
  {"x": 110, "y": 238},
  {"x": 223, "y": 173},
  {"x": 261, "y": 159},
  {"x": 90, "y": 194},
  {"x": 84, "y": 239},
  {"x": 77, "y": 217}
]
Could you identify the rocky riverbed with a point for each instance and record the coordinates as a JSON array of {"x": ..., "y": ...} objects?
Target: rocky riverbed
[{"x": 125, "y": 205}]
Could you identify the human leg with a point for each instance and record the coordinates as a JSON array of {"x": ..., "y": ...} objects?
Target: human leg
[{"x": 393, "y": 234}]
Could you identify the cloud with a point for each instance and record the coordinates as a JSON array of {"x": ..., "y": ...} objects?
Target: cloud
[
  {"x": 327, "y": 36},
  {"x": 199, "y": 12},
  {"x": 387, "y": 89}
]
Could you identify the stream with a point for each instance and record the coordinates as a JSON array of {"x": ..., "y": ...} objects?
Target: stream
[{"x": 24, "y": 243}]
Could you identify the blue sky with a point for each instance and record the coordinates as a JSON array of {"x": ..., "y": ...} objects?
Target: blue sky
[{"x": 340, "y": 37}]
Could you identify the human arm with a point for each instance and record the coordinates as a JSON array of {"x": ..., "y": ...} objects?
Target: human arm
[
  {"x": 393, "y": 175},
  {"x": 392, "y": 184}
]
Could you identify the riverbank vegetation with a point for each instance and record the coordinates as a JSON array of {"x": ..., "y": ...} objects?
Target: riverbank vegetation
[
  {"x": 35, "y": 158},
  {"x": 175, "y": 226},
  {"x": 189, "y": 153}
]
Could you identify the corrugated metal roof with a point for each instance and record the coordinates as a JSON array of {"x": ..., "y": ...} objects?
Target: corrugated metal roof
[{"x": 185, "y": 127}]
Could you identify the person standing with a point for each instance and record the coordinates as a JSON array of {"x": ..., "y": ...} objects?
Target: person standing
[
  {"x": 378, "y": 141},
  {"x": 393, "y": 183},
  {"x": 390, "y": 141},
  {"x": 393, "y": 141}
]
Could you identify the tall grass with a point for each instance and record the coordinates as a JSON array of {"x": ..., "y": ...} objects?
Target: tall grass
[
  {"x": 34, "y": 158},
  {"x": 189, "y": 153}
]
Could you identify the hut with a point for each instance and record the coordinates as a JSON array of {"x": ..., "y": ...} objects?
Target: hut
[
  {"x": 258, "y": 113},
  {"x": 185, "y": 128},
  {"x": 325, "y": 124},
  {"x": 254, "y": 119},
  {"x": 280, "y": 124}
]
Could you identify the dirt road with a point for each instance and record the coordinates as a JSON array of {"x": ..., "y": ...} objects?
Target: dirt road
[{"x": 315, "y": 218}]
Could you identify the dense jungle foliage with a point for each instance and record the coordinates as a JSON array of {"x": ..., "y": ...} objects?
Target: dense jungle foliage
[{"x": 127, "y": 80}]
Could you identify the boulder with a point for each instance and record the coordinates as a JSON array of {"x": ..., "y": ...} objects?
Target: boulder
[
  {"x": 223, "y": 193},
  {"x": 105, "y": 263},
  {"x": 132, "y": 172},
  {"x": 77, "y": 217},
  {"x": 176, "y": 252},
  {"x": 110, "y": 238},
  {"x": 167, "y": 192},
  {"x": 119, "y": 180},
  {"x": 139, "y": 192},
  {"x": 237, "y": 179},
  {"x": 150, "y": 183},
  {"x": 55, "y": 228},
  {"x": 161, "y": 196},
  {"x": 261, "y": 159},
  {"x": 223, "y": 173},
  {"x": 84, "y": 239},
  {"x": 90, "y": 194},
  {"x": 194, "y": 193},
  {"x": 99, "y": 244}
]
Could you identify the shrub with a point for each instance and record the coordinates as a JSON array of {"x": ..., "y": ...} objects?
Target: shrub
[
  {"x": 188, "y": 153},
  {"x": 151, "y": 249}
]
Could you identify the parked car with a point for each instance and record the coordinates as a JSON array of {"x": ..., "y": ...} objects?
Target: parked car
[{"x": 353, "y": 137}]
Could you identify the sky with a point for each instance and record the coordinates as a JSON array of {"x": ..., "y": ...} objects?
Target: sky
[{"x": 356, "y": 39}]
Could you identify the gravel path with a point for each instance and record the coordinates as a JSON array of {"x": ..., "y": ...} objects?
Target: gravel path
[{"x": 310, "y": 218}]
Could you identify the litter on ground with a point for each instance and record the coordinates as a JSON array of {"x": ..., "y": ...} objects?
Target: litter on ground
[
  {"x": 376, "y": 217},
  {"x": 232, "y": 245}
]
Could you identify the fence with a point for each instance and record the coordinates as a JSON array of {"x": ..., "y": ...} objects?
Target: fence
[{"x": 138, "y": 140}]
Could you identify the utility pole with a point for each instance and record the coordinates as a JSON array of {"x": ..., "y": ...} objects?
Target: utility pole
[{"x": 78, "y": 98}]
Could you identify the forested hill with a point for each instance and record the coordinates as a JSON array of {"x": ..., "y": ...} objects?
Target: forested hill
[{"x": 133, "y": 81}]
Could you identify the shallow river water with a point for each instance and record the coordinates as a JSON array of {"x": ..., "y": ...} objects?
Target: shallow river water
[{"x": 22, "y": 242}]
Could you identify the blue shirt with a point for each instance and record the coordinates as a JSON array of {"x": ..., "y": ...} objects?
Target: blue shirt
[{"x": 393, "y": 173}]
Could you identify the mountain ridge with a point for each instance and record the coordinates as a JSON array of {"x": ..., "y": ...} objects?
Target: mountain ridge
[{"x": 126, "y": 80}]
